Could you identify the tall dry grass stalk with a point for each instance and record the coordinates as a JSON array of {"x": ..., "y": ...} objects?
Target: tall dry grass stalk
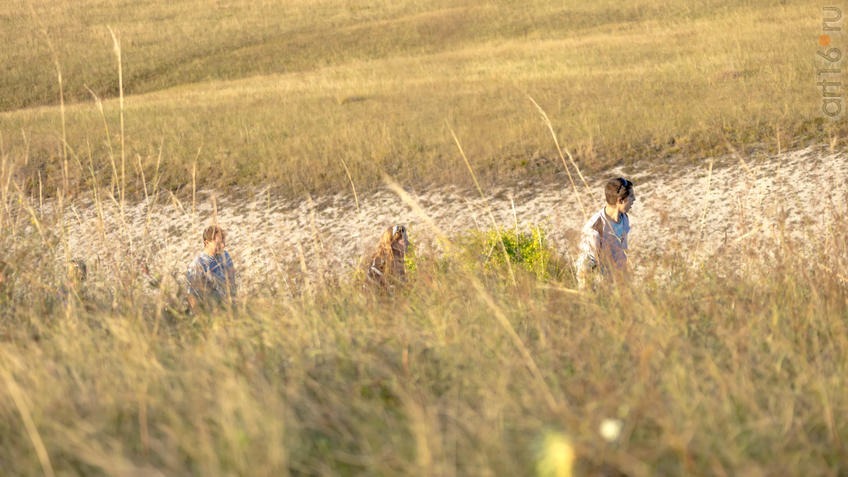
[
  {"x": 151, "y": 203},
  {"x": 7, "y": 171},
  {"x": 58, "y": 69},
  {"x": 486, "y": 202},
  {"x": 194, "y": 181},
  {"x": 20, "y": 401},
  {"x": 700, "y": 236},
  {"x": 115, "y": 180},
  {"x": 350, "y": 179},
  {"x": 95, "y": 190},
  {"x": 562, "y": 157},
  {"x": 116, "y": 46},
  {"x": 481, "y": 291}
]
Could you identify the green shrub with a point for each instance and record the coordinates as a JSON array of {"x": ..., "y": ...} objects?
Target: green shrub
[
  {"x": 411, "y": 259},
  {"x": 527, "y": 249}
]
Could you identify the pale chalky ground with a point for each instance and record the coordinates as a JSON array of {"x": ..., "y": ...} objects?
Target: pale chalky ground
[{"x": 273, "y": 241}]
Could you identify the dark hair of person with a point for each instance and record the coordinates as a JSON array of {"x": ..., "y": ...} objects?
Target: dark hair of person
[
  {"x": 617, "y": 189},
  {"x": 212, "y": 232}
]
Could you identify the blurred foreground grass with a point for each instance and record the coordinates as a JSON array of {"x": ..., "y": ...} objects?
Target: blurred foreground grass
[{"x": 733, "y": 365}]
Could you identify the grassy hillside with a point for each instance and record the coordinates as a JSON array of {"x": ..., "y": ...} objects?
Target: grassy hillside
[
  {"x": 282, "y": 92},
  {"x": 174, "y": 43}
]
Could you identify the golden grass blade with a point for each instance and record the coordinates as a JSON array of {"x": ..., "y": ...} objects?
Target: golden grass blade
[
  {"x": 101, "y": 223},
  {"x": 559, "y": 149},
  {"x": 416, "y": 207},
  {"x": 194, "y": 181},
  {"x": 5, "y": 179},
  {"x": 143, "y": 181},
  {"x": 738, "y": 156},
  {"x": 116, "y": 44},
  {"x": 316, "y": 237},
  {"x": 99, "y": 104},
  {"x": 177, "y": 202},
  {"x": 19, "y": 399},
  {"x": 514, "y": 212},
  {"x": 59, "y": 79},
  {"x": 704, "y": 207},
  {"x": 155, "y": 191},
  {"x": 350, "y": 178},
  {"x": 486, "y": 203},
  {"x": 156, "y": 175},
  {"x": 307, "y": 283},
  {"x": 481, "y": 291},
  {"x": 571, "y": 291}
]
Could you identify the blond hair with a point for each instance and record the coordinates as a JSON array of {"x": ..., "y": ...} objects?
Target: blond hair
[{"x": 387, "y": 262}]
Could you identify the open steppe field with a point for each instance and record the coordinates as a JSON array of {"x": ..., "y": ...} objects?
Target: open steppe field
[
  {"x": 284, "y": 92},
  {"x": 306, "y": 127}
]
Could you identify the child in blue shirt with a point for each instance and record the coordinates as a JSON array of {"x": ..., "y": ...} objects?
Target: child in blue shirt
[{"x": 211, "y": 276}]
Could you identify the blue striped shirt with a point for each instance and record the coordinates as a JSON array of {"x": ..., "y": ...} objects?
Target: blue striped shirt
[{"x": 211, "y": 277}]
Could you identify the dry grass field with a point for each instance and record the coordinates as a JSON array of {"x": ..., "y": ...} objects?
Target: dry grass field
[
  {"x": 283, "y": 92},
  {"x": 726, "y": 354}
]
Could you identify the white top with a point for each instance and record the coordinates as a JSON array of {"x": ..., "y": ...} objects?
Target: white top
[{"x": 603, "y": 242}]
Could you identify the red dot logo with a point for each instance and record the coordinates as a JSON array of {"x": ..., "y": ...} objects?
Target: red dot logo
[{"x": 824, "y": 40}]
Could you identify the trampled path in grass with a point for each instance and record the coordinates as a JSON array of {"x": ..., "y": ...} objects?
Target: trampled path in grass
[{"x": 695, "y": 211}]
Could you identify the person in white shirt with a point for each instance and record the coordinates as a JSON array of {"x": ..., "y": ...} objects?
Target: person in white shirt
[{"x": 603, "y": 242}]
